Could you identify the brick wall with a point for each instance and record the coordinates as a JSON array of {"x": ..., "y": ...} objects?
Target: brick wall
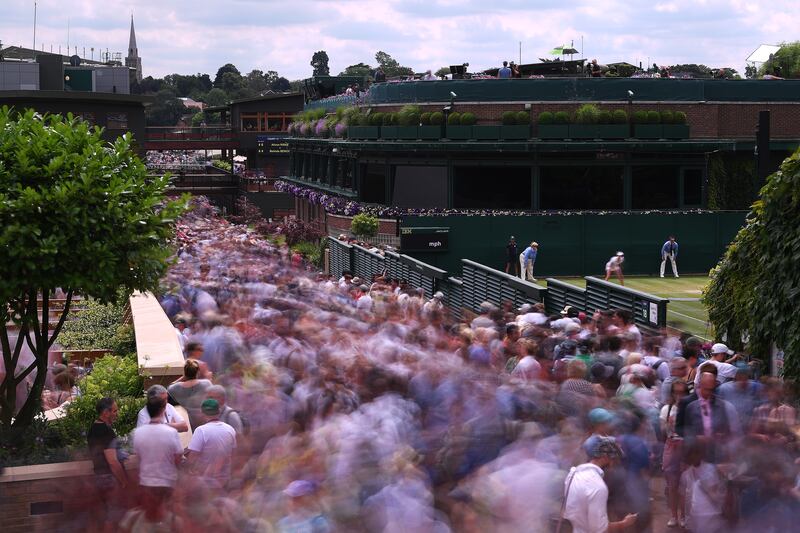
[
  {"x": 707, "y": 120},
  {"x": 339, "y": 224}
]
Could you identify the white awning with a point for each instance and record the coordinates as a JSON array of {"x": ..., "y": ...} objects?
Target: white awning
[{"x": 762, "y": 53}]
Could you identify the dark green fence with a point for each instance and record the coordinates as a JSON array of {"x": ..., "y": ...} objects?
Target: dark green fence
[{"x": 579, "y": 244}]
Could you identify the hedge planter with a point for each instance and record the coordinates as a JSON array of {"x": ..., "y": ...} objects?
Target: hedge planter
[
  {"x": 582, "y": 131},
  {"x": 429, "y": 133},
  {"x": 613, "y": 131},
  {"x": 459, "y": 133},
  {"x": 675, "y": 131},
  {"x": 407, "y": 132},
  {"x": 510, "y": 133},
  {"x": 553, "y": 131},
  {"x": 390, "y": 132},
  {"x": 486, "y": 133},
  {"x": 648, "y": 131},
  {"x": 363, "y": 132}
]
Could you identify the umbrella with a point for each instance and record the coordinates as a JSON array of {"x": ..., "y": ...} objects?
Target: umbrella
[
  {"x": 563, "y": 50},
  {"x": 239, "y": 158}
]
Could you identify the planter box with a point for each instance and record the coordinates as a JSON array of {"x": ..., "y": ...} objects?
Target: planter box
[
  {"x": 520, "y": 132},
  {"x": 675, "y": 131},
  {"x": 430, "y": 132},
  {"x": 582, "y": 131},
  {"x": 613, "y": 131},
  {"x": 390, "y": 132},
  {"x": 486, "y": 133},
  {"x": 648, "y": 131},
  {"x": 407, "y": 132},
  {"x": 363, "y": 132},
  {"x": 553, "y": 131},
  {"x": 459, "y": 133}
]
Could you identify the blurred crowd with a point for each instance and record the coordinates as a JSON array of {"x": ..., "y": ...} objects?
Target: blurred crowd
[
  {"x": 360, "y": 405},
  {"x": 174, "y": 159}
]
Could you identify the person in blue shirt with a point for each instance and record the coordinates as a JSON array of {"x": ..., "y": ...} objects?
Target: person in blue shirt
[
  {"x": 669, "y": 251},
  {"x": 504, "y": 72},
  {"x": 526, "y": 260}
]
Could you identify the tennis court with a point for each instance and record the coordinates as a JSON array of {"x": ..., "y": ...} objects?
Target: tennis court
[{"x": 685, "y": 312}]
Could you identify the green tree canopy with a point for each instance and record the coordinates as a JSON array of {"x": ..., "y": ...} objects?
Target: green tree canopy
[
  {"x": 75, "y": 213},
  {"x": 167, "y": 110},
  {"x": 319, "y": 61},
  {"x": 391, "y": 67},
  {"x": 224, "y": 69},
  {"x": 216, "y": 97},
  {"x": 755, "y": 288},
  {"x": 359, "y": 69},
  {"x": 787, "y": 58},
  {"x": 442, "y": 72}
]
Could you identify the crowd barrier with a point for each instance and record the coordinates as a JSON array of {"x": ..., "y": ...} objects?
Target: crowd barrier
[{"x": 479, "y": 283}]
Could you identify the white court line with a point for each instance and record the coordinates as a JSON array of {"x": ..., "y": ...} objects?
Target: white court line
[{"x": 689, "y": 317}]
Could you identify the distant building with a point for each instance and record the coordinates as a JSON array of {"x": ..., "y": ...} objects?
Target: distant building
[
  {"x": 132, "y": 60},
  {"x": 190, "y": 103}
]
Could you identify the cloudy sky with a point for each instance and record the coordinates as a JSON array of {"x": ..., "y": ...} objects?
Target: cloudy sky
[{"x": 188, "y": 36}]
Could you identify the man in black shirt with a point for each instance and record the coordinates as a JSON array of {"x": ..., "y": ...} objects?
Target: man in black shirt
[
  {"x": 512, "y": 257},
  {"x": 110, "y": 476}
]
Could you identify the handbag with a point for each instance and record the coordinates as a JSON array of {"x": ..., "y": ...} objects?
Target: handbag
[{"x": 559, "y": 523}]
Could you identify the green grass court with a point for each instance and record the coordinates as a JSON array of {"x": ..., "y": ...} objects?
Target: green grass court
[{"x": 684, "y": 311}]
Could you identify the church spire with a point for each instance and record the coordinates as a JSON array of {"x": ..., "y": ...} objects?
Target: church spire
[{"x": 133, "y": 60}]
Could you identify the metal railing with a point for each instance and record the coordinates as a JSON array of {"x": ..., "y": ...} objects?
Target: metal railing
[{"x": 156, "y": 133}]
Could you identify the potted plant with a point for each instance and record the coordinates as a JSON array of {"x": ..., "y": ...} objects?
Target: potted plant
[
  {"x": 516, "y": 126},
  {"x": 612, "y": 125},
  {"x": 553, "y": 125},
  {"x": 389, "y": 129},
  {"x": 648, "y": 127},
  {"x": 408, "y": 122},
  {"x": 677, "y": 128},
  {"x": 365, "y": 127},
  {"x": 487, "y": 132},
  {"x": 431, "y": 128},
  {"x": 584, "y": 126},
  {"x": 457, "y": 131}
]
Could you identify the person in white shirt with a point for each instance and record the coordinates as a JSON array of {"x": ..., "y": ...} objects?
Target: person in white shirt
[
  {"x": 227, "y": 414},
  {"x": 614, "y": 266},
  {"x": 725, "y": 371},
  {"x": 586, "y": 494},
  {"x": 211, "y": 449},
  {"x": 158, "y": 448},
  {"x": 170, "y": 416}
]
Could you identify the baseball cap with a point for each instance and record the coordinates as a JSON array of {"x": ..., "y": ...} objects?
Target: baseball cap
[
  {"x": 721, "y": 348},
  {"x": 439, "y": 295},
  {"x": 598, "y": 415},
  {"x": 621, "y": 253},
  {"x": 210, "y": 407},
  {"x": 597, "y": 446}
]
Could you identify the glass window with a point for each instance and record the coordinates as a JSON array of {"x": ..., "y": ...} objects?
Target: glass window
[
  {"x": 418, "y": 186},
  {"x": 595, "y": 187},
  {"x": 655, "y": 187},
  {"x": 275, "y": 123},
  {"x": 249, "y": 122},
  {"x": 492, "y": 187},
  {"x": 373, "y": 183},
  {"x": 117, "y": 121}
]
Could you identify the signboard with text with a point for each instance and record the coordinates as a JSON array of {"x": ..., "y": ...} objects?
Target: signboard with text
[
  {"x": 272, "y": 145},
  {"x": 424, "y": 239}
]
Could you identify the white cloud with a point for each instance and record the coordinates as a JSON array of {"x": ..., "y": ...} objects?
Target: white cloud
[{"x": 188, "y": 36}]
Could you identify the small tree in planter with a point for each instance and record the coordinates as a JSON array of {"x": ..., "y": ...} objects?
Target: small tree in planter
[
  {"x": 364, "y": 225},
  {"x": 429, "y": 129},
  {"x": 677, "y": 127},
  {"x": 651, "y": 128},
  {"x": 619, "y": 116},
  {"x": 456, "y": 129},
  {"x": 508, "y": 118},
  {"x": 607, "y": 128},
  {"x": 583, "y": 126},
  {"x": 437, "y": 118},
  {"x": 553, "y": 125},
  {"x": 516, "y": 126}
]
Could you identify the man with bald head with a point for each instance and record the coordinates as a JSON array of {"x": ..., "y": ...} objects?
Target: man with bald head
[{"x": 711, "y": 419}]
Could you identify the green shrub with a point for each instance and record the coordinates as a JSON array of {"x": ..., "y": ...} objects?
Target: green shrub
[
  {"x": 653, "y": 117},
  {"x": 561, "y": 117},
  {"x": 468, "y": 119},
  {"x": 586, "y": 114},
  {"x": 409, "y": 115},
  {"x": 364, "y": 225},
  {"x": 523, "y": 118},
  {"x": 425, "y": 119},
  {"x": 508, "y": 118},
  {"x": 376, "y": 119},
  {"x": 619, "y": 116},
  {"x": 667, "y": 117},
  {"x": 117, "y": 377},
  {"x": 437, "y": 117},
  {"x": 679, "y": 117},
  {"x": 545, "y": 117},
  {"x": 99, "y": 326},
  {"x": 640, "y": 117},
  {"x": 454, "y": 119},
  {"x": 604, "y": 117},
  {"x": 363, "y": 120},
  {"x": 311, "y": 250},
  {"x": 390, "y": 119}
]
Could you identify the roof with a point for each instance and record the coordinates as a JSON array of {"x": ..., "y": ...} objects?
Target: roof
[
  {"x": 77, "y": 95},
  {"x": 271, "y": 96},
  {"x": 19, "y": 52},
  {"x": 762, "y": 53}
]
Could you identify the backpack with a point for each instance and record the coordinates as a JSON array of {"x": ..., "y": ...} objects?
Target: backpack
[{"x": 243, "y": 418}]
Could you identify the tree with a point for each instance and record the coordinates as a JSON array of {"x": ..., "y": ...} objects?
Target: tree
[
  {"x": 75, "y": 213},
  {"x": 256, "y": 81},
  {"x": 227, "y": 67},
  {"x": 319, "y": 61},
  {"x": 755, "y": 287},
  {"x": 198, "y": 119},
  {"x": 359, "y": 69},
  {"x": 280, "y": 85},
  {"x": 698, "y": 71},
  {"x": 148, "y": 85},
  {"x": 167, "y": 110},
  {"x": 391, "y": 67},
  {"x": 442, "y": 72},
  {"x": 232, "y": 83},
  {"x": 787, "y": 59},
  {"x": 216, "y": 97}
]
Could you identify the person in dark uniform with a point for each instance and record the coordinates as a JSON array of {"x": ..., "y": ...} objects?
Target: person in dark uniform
[{"x": 512, "y": 261}]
